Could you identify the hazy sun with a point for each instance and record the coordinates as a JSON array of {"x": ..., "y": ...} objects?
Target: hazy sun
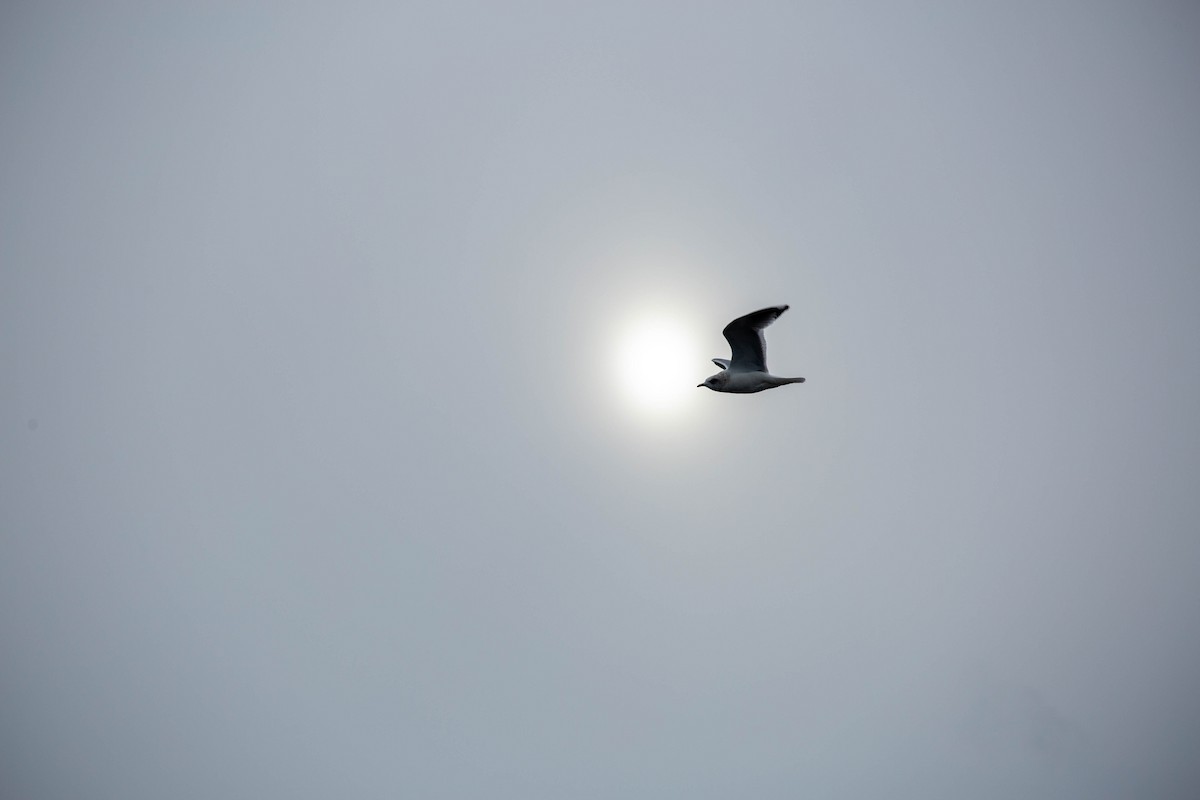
[{"x": 656, "y": 363}]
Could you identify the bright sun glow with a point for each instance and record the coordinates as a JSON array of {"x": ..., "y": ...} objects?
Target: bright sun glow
[{"x": 657, "y": 365}]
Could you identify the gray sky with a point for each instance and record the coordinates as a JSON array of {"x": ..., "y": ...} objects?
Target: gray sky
[{"x": 314, "y": 476}]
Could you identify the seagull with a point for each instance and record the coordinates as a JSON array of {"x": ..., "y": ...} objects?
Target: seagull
[{"x": 745, "y": 371}]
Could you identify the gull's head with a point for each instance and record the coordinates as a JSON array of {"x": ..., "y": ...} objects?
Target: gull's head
[{"x": 715, "y": 382}]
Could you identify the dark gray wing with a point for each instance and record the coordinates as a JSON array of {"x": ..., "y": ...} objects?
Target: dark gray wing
[
  {"x": 723, "y": 363},
  {"x": 746, "y": 341}
]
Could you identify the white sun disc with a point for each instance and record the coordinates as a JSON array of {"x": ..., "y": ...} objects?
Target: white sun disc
[{"x": 655, "y": 363}]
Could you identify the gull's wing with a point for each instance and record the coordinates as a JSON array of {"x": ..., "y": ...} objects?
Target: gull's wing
[
  {"x": 746, "y": 341},
  {"x": 723, "y": 363}
]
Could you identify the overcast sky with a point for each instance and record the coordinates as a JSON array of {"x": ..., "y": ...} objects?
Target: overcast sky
[{"x": 315, "y": 477}]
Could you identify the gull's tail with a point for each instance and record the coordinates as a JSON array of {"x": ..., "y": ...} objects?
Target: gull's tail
[{"x": 792, "y": 380}]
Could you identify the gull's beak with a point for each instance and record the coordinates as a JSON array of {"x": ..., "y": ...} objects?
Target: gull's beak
[{"x": 699, "y": 385}]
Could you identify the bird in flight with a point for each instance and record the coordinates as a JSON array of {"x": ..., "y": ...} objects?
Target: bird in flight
[{"x": 745, "y": 371}]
